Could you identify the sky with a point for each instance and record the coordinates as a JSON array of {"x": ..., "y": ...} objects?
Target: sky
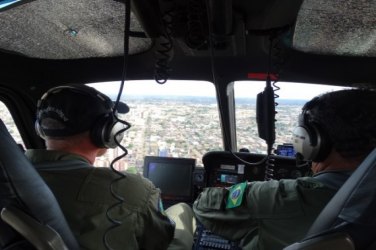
[{"x": 198, "y": 88}]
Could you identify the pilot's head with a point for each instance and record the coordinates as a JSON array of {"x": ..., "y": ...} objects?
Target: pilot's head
[
  {"x": 343, "y": 121},
  {"x": 70, "y": 110}
]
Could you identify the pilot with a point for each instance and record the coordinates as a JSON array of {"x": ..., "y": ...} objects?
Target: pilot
[
  {"x": 337, "y": 130},
  {"x": 103, "y": 208}
]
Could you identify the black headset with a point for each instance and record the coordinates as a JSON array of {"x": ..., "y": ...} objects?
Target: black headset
[
  {"x": 104, "y": 129},
  {"x": 310, "y": 141}
]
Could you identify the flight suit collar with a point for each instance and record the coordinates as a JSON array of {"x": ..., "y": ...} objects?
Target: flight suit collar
[
  {"x": 333, "y": 179},
  {"x": 42, "y": 155}
]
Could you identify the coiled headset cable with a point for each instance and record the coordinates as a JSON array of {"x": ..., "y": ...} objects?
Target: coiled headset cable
[
  {"x": 214, "y": 77},
  {"x": 270, "y": 163},
  {"x": 115, "y": 222}
]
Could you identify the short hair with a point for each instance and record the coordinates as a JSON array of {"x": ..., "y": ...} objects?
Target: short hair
[
  {"x": 66, "y": 141},
  {"x": 349, "y": 119}
]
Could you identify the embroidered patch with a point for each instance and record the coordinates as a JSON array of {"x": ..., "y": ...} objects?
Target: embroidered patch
[{"x": 235, "y": 196}]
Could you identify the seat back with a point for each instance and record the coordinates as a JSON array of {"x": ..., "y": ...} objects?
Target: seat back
[
  {"x": 335, "y": 241},
  {"x": 351, "y": 210},
  {"x": 42, "y": 237},
  {"x": 22, "y": 187}
]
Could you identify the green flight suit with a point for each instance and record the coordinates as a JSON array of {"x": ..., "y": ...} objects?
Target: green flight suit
[
  {"x": 83, "y": 192},
  {"x": 271, "y": 215}
]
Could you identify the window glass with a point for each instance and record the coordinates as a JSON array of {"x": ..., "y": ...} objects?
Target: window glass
[
  {"x": 7, "y": 119},
  {"x": 175, "y": 119},
  {"x": 291, "y": 98}
]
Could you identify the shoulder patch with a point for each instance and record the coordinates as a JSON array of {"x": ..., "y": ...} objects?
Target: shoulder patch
[{"x": 235, "y": 196}]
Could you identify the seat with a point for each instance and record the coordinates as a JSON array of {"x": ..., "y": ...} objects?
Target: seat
[
  {"x": 348, "y": 221},
  {"x": 39, "y": 235},
  {"x": 31, "y": 216}
]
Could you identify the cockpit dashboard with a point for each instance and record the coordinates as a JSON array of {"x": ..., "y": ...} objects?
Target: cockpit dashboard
[{"x": 181, "y": 181}]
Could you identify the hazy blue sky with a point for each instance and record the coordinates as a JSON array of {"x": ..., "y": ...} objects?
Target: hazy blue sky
[{"x": 196, "y": 88}]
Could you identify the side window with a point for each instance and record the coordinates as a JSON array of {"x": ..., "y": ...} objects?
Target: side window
[
  {"x": 7, "y": 119},
  {"x": 291, "y": 98},
  {"x": 175, "y": 119}
]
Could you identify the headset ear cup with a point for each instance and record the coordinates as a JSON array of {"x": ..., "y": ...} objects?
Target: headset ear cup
[
  {"x": 97, "y": 132},
  {"x": 104, "y": 131},
  {"x": 311, "y": 142},
  {"x": 302, "y": 142},
  {"x": 115, "y": 131},
  {"x": 39, "y": 130},
  {"x": 324, "y": 145}
]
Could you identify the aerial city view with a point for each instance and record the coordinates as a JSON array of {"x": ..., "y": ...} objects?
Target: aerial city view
[
  {"x": 185, "y": 127},
  {"x": 189, "y": 128}
]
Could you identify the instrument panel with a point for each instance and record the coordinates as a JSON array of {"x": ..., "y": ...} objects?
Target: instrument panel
[{"x": 224, "y": 168}]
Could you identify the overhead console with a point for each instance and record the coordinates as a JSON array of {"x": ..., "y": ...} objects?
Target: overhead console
[
  {"x": 223, "y": 169},
  {"x": 230, "y": 23}
]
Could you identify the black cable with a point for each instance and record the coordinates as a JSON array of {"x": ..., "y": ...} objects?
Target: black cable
[
  {"x": 279, "y": 61},
  {"x": 127, "y": 21},
  {"x": 164, "y": 53},
  {"x": 119, "y": 199},
  {"x": 211, "y": 49},
  {"x": 276, "y": 53},
  {"x": 269, "y": 166}
]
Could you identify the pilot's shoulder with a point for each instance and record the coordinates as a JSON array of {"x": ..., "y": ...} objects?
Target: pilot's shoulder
[
  {"x": 125, "y": 180},
  {"x": 138, "y": 190},
  {"x": 134, "y": 188},
  {"x": 137, "y": 181}
]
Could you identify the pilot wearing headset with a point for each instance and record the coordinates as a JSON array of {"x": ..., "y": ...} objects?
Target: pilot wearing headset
[
  {"x": 78, "y": 124},
  {"x": 336, "y": 132}
]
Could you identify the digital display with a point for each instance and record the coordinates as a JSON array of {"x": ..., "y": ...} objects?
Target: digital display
[
  {"x": 285, "y": 150},
  {"x": 229, "y": 178},
  {"x": 173, "y": 176}
]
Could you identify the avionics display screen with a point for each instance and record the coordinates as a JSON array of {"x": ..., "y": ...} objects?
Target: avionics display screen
[
  {"x": 285, "y": 150},
  {"x": 173, "y": 176},
  {"x": 229, "y": 178}
]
